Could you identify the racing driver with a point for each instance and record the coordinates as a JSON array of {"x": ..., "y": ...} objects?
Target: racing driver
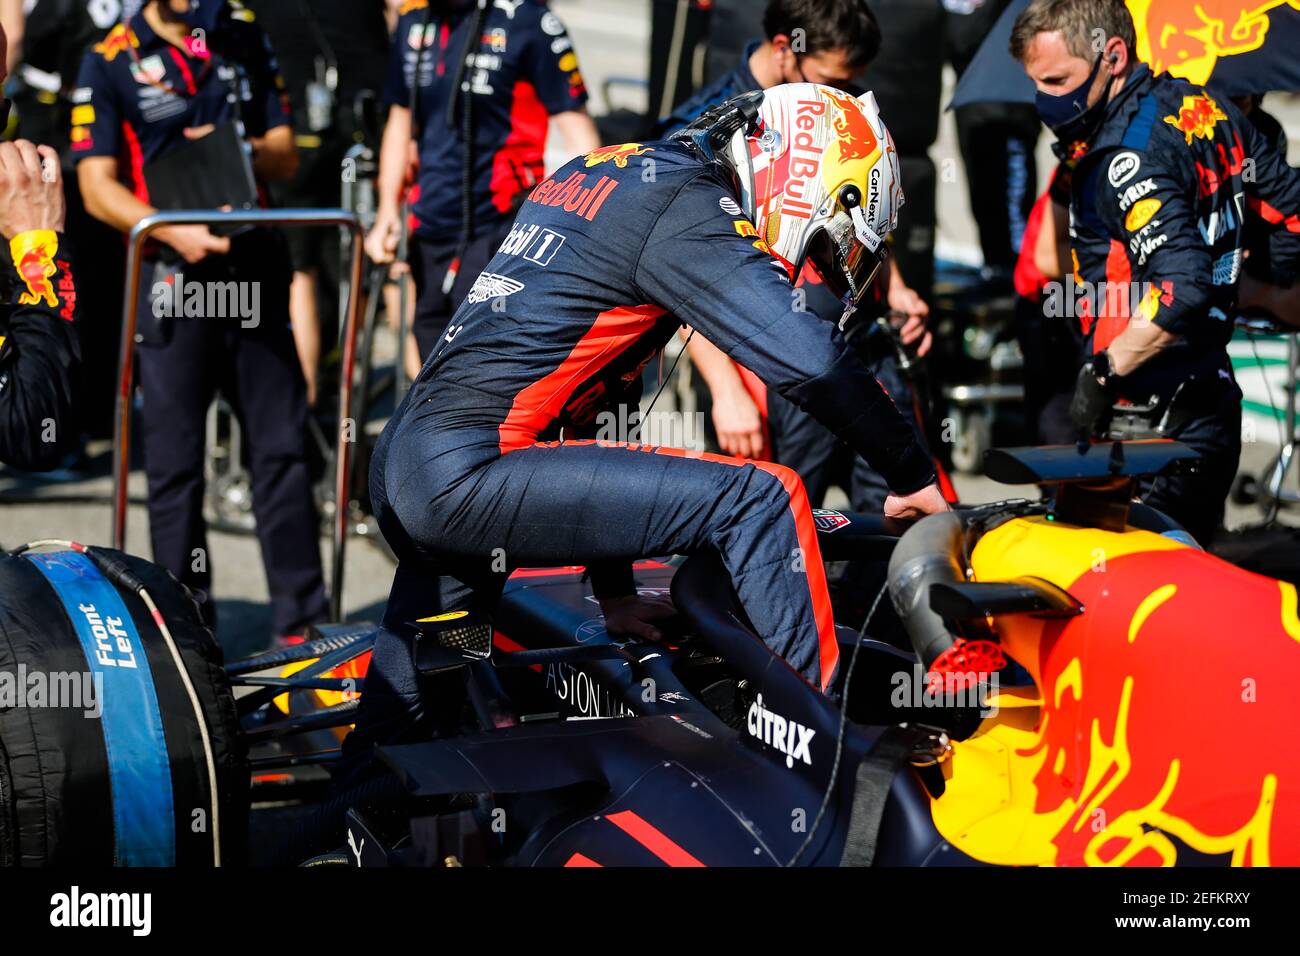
[
  {"x": 606, "y": 259},
  {"x": 1165, "y": 175}
]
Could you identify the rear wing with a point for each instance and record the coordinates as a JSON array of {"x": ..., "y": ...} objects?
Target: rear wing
[
  {"x": 1054, "y": 464},
  {"x": 1094, "y": 484}
]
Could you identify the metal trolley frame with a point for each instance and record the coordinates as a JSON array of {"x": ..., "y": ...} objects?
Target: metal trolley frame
[{"x": 126, "y": 368}]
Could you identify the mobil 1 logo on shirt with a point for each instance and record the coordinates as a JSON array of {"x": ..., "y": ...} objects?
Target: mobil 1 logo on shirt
[{"x": 533, "y": 243}]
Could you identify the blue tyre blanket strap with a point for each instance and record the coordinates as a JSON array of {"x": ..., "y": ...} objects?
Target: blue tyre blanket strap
[{"x": 138, "y": 767}]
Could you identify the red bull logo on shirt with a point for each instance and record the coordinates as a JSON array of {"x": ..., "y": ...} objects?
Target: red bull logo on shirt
[
  {"x": 1197, "y": 117},
  {"x": 618, "y": 155},
  {"x": 572, "y": 196},
  {"x": 119, "y": 40}
]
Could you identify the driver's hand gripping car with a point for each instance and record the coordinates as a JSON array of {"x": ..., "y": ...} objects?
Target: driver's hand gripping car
[{"x": 489, "y": 464}]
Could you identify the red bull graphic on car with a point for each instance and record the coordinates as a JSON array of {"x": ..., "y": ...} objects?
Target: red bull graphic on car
[{"x": 1152, "y": 740}]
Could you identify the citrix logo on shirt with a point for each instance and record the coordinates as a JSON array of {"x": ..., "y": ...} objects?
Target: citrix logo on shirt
[{"x": 1135, "y": 192}]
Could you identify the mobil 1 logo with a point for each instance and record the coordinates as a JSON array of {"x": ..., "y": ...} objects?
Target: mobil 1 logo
[{"x": 533, "y": 243}]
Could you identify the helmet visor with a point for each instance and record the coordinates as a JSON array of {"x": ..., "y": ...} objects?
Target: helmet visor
[{"x": 846, "y": 264}]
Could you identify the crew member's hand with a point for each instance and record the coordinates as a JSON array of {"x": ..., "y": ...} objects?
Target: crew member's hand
[
  {"x": 1092, "y": 398},
  {"x": 913, "y": 332},
  {"x": 738, "y": 423},
  {"x": 918, "y": 504},
  {"x": 31, "y": 188},
  {"x": 635, "y": 613},
  {"x": 1280, "y": 303},
  {"x": 198, "y": 132},
  {"x": 381, "y": 241},
  {"x": 194, "y": 243}
]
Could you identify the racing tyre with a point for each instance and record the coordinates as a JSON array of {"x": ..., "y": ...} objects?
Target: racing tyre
[{"x": 118, "y": 745}]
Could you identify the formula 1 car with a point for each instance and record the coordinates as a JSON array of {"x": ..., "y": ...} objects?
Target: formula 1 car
[{"x": 1084, "y": 686}]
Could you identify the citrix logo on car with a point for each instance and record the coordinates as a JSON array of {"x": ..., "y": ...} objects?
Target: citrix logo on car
[{"x": 787, "y": 736}]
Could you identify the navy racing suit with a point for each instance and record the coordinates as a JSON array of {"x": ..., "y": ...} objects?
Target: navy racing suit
[{"x": 477, "y": 474}]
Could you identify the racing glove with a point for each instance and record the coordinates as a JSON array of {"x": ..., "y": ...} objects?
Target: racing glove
[{"x": 1094, "y": 393}]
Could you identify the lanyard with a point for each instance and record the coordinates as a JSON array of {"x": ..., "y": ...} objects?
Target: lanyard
[{"x": 192, "y": 81}]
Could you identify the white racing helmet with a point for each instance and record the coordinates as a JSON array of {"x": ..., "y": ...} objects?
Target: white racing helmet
[{"x": 819, "y": 178}]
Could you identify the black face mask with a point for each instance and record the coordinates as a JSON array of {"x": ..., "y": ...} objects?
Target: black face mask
[{"x": 1068, "y": 115}]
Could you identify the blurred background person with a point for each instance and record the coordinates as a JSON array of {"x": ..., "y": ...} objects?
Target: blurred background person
[
  {"x": 475, "y": 84},
  {"x": 333, "y": 56},
  {"x": 148, "y": 89},
  {"x": 997, "y": 142}
]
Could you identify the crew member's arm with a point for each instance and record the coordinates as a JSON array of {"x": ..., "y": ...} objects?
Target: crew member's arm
[
  {"x": 736, "y": 417},
  {"x": 697, "y": 264},
  {"x": 915, "y": 312},
  {"x": 550, "y": 65},
  {"x": 577, "y": 131},
  {"x": 395, "y": 149},
  {"x": 96, "y": 132},
  {"x": 1273, "y": 195},
  {"x": 13, "y": 24},
  {"x": 394, "y": 162},
  {"x": 39, "y": 351},
  {"x": 1052, "y": 250},
  {"x": 1052, "y": 256},
  {"x": 1280, "y": 302},
  {"x": 1168, "y": 260},
  {"x": 275, "y": 154}
]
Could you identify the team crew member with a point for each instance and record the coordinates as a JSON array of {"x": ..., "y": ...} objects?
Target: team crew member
[
  {"x": 39, "y": 353},
  {"x": 1158, "y": 198},
  {"x": 333, "y": 55},
  {"x": 148, "y": 88},
  {"x": 841, "y": 37},
  {"x": 599, "y": 270},
  {"x": 490, "y": 75}
]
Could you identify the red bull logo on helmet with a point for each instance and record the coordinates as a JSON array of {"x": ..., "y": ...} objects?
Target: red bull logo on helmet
[
  {"x": 857, "y": 140},
  {"x": 1188, "y": 37}
]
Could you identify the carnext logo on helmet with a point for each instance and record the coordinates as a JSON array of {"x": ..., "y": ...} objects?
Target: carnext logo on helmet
[{"x": 790, "y": 738}]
